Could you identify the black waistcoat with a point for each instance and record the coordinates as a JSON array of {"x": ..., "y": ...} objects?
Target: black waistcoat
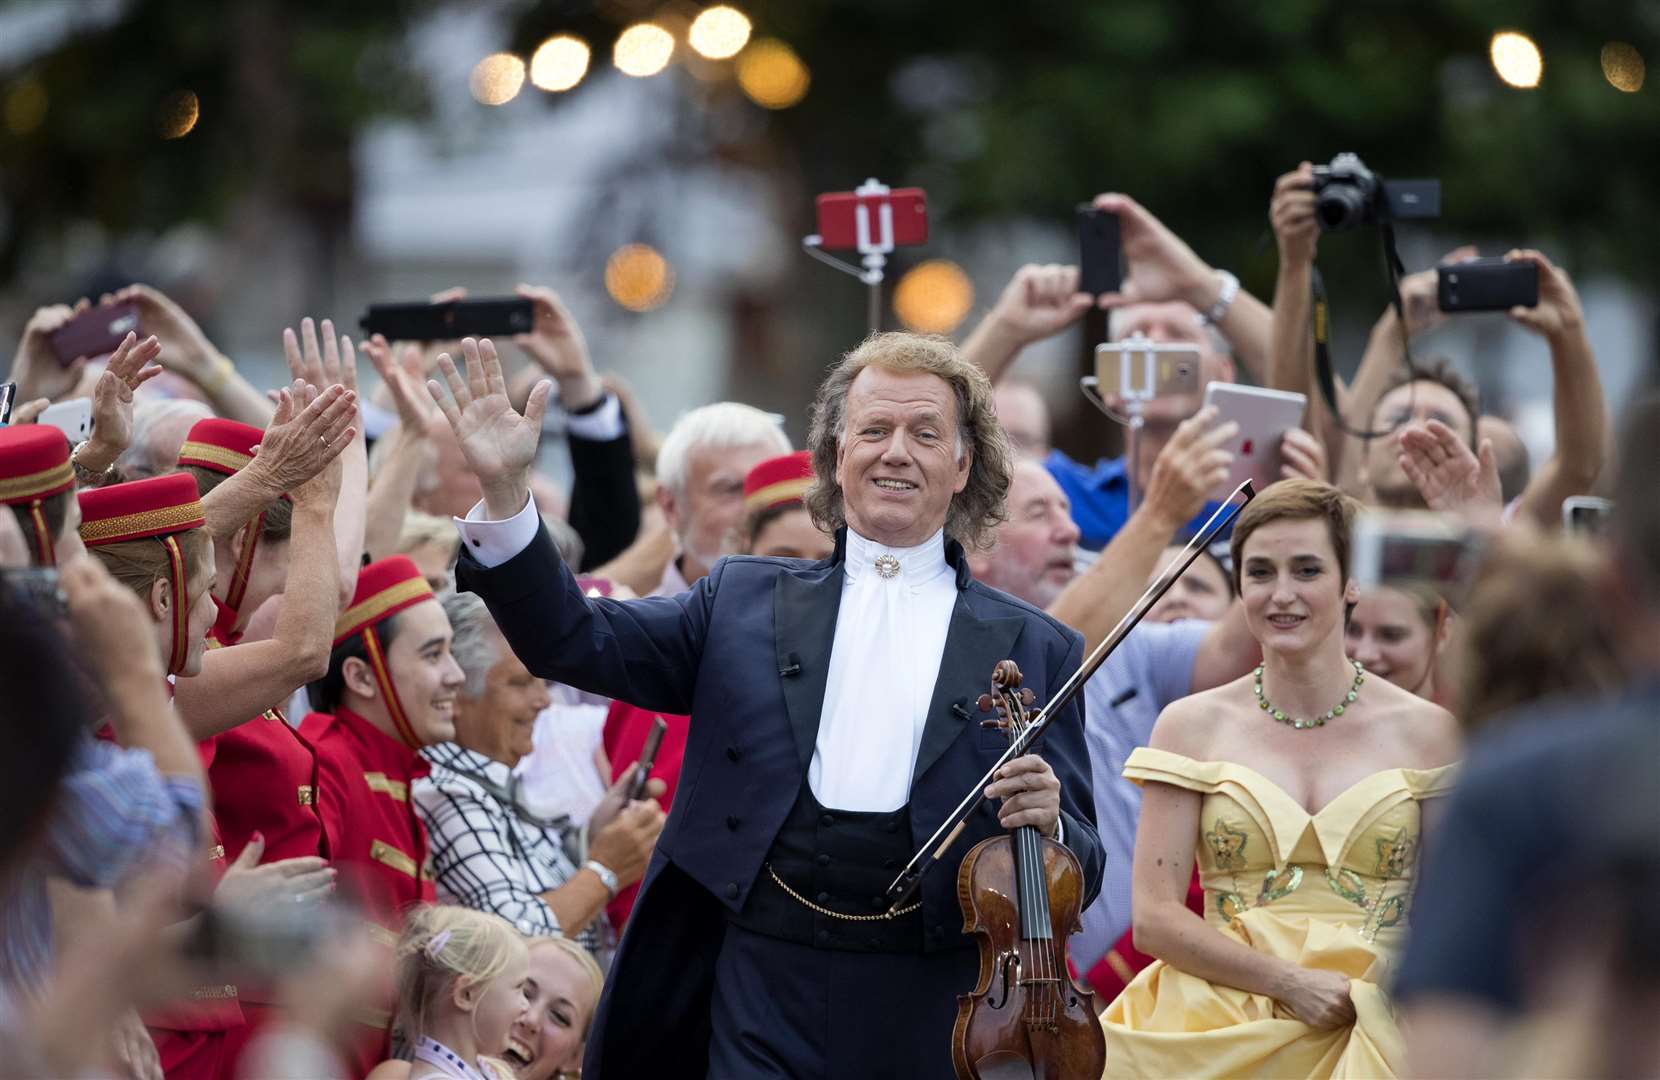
[{"x": 842, "y": 861}]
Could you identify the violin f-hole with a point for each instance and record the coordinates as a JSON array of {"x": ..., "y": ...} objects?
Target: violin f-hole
[{"x": 1008, "y": 979}]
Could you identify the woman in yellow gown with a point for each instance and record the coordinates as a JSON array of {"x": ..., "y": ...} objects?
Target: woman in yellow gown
[{"x": 1299, "y": 787}]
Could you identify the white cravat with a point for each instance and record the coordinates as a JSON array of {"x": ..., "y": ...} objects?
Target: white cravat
[{"x": 890, "y": 637}]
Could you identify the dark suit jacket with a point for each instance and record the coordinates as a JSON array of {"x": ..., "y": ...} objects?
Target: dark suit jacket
[
  {"x": 746, "y": 653},
  {"x": 605, "y": 501}
]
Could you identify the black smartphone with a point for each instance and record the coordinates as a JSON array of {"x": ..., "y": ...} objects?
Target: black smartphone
[
  {"x": 1486, "y": 285},
  {"x": 501, "y": 316},
  {"x": 1098, "y": 251},
  {"x": 8, "y": 398},
  {"x": 648, "y": 757}
]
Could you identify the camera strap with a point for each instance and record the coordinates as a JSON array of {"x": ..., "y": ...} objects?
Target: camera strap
[{"x": 1324, "y": 375}]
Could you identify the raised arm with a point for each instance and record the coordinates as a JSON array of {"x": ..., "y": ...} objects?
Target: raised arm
[
  {"x": 301, "y": 440},
  {"x": 243, "y": 681},
  {"x": 402, "y": 452},
  {"x": 335, "y": 364},
  {"x": 188, "y": 353},
  {"x": 1163, "y": 267},
  {"x": 1037, "y": 303},
  {"x": 1581, "y": 411},
  {"x": 1189, "y": 467}
]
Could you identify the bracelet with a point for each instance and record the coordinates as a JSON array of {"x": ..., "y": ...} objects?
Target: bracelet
[
  {"x": 605, "y": 875},
  {"x": 84, "y": 476},
  {"x": 218, "y": 374},
  {"x": 1224, "y": 299}
]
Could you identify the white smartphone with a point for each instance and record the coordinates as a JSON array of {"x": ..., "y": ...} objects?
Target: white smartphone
[
  {"x": 1414, "y": 547},
  {"x": 1587, "y": 514},
  {"x": 1263, "y": 416},
  {"x": 73, "y": 418}
]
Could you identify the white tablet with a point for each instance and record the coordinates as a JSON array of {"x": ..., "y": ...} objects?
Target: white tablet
[{"x": 1263, "y": 416}]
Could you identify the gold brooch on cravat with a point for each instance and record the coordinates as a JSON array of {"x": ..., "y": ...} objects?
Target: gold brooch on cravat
[{"x": 887, "y": 566}]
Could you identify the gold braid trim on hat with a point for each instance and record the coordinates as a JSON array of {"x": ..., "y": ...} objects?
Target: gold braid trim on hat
[
  {"x": 782, "y": 491},
  {"x": 360, "y": 615},
  {"x": 169, "y": 518},
  {"x": 234, "y": 460},
  {"x": 36, "y": 484}
]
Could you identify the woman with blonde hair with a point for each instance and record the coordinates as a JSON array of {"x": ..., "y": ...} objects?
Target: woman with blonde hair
[
  {"x": 1299, "y": 787},
  {"x": 549, "y": 1037}
]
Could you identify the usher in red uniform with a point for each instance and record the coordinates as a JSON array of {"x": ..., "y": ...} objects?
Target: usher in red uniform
[
  {"x": 192, "y": 1040},
  {"x": 364, "y": 776}
]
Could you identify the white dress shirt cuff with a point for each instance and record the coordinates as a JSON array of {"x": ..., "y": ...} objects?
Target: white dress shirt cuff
[
  {"x": 494, "y": 542},
  {"x": 1060, "y": 830},
  {"x": 603, "y": 424}
]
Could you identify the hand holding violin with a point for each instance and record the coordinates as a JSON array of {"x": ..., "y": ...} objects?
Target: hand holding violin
[{"x": 1031, "y": 794}]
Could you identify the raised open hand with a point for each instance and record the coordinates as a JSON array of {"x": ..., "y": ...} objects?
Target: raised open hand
[
  {"x": 335, "y": 363},
  {"x": 402, "y": 375},
  {"x": 300, "y": 442},
  {"x": 1162, "y": 266},
  {"x": 129, "y": 368},
  {"x": 498, "y": 443},
  {"x": 1447, "y": 474}
]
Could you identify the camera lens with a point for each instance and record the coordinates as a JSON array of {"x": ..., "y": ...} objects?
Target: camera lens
[{"x": 1339, "y": 206}]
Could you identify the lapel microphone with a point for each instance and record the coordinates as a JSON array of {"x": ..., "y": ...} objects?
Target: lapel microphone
[{"x": 792, "y": 666}]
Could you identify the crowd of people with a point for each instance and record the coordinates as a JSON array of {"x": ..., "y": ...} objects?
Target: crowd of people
[{"x": 331, "y": 707}]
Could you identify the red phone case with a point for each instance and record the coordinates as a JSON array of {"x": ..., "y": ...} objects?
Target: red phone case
[{"x": 838, "y": 218}]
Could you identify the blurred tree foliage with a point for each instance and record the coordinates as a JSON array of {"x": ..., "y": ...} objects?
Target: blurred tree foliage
[{"x": 282, "y": 87}]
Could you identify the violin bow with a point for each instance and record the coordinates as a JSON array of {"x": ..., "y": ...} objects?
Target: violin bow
[{"x": 899, "y": 893}]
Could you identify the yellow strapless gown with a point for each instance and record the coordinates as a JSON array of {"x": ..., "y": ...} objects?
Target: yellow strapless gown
[{"x": 1329, "y": 890}]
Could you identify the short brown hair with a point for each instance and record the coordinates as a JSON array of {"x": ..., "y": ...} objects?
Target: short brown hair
[
  {"x": 1296, "y": 500},
  {"x": 139, "y": 564},
  {"x": 279, "y": 513},
  {"x": 1438, "y": 370},
  {"x": 979, "y": 508}
]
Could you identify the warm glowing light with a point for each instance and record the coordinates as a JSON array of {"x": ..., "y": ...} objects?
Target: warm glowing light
[
  {"x": 719, "y": 32},
  {"x": 559, "y": 62},
  {"x": 1516, "y": 58},
  {"x": 772, "y": 74},
  {"x": 178, "y": 114},
  {"x": 933, "y": 297},
  {"x": 643, "y": 49},
  {"x": 1623, "y": 67},
  {"x": 25, "y": 107},
  {"x": 638, "y": 278},
  {"x": 497, "y": 79}
]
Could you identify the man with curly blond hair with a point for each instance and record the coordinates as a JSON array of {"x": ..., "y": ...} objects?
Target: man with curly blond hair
[{"x": 832, "y": 728}]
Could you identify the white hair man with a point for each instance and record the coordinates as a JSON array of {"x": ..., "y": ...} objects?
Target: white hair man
[{"x": 700, "y": 483}]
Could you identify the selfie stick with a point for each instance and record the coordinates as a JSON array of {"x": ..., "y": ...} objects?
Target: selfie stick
[
  {"x": 905, "y": 884},
  {"x": 874, "y": 240},
  {"x": 1134, "y": 397}
]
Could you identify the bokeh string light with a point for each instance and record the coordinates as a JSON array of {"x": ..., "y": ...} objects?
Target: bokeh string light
[
  {"x": 719, "y": 32},
  {"x": 638, "y": 278},
  {"x": 643, "y": 49},
  {"x": 1623, "y": 67},
  {"x": 1517, "y": 59},
  {"x": 497, "y": 79},
  {"x": 933, "y": 297},
  {"x": 772, "y": 74},
  {"x": 178, "y": 114},
  {"x": 559, "y": 63}
]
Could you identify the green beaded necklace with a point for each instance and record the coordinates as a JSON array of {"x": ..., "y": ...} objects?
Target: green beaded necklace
[{"x": 1319, "y": 721}]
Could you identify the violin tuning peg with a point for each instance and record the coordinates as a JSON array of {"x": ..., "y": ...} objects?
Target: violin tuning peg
[
  {"x": 1027, "y": 697},
  {"x": 992, "y": 723},
  {"x": 984, "y": 703}
]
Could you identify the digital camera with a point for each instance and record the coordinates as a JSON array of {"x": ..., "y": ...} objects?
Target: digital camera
[{"x": 1348, "y": 195}]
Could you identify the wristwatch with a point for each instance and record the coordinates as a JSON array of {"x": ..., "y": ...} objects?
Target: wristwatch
[
  {"x": 1224, "y": 299},
  {"x": 603, "y": 872}
]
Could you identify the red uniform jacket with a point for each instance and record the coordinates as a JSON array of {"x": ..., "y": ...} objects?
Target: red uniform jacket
[{"x": 626, "y": 728}]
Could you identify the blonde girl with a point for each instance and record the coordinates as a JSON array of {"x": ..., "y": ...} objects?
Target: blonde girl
[{"x": 461, "y": 985}]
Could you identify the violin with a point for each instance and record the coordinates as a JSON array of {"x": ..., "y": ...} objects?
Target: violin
[{"x": 1021, "y": 895}]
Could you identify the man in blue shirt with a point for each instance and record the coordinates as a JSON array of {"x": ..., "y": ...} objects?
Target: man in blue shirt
[{"x": 1170, "y": 295}]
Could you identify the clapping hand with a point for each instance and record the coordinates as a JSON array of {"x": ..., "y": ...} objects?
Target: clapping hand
[
  {"x": 335, "y": 363},
  {"x": 248, "y": 882},
  {"x": 402, "y": 375},
  {"x": 498, "y": 443},
  {"x": 303, "y": 438},
  {"x": 1447, "y": 474}
]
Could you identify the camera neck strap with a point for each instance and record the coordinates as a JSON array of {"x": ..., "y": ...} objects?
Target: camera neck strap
[{"x": 1324, "y": 375}]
